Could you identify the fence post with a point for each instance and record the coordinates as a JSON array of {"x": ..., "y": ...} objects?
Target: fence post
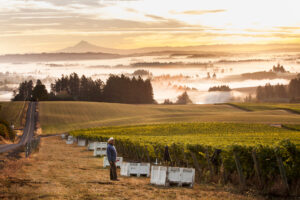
[
  {"x": 124, "y": 150},
  {"x": 209, "y": 163},
  {"x": 240, "y": 171},
  {"x": 173, "y": 147},
  {"x": 184, "y": 158},
  {"x": 26, "y": 150},
  {"x": 282, "y": 172},
  {"x": 257, "y": 168},
  {"x": 147, "y": 154},
  {"x": 196, "y": 164},
  {"x": 223, "y": 173}
]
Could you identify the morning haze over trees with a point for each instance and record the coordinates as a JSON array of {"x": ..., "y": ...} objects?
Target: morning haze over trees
[
  {"x": 118, "y": 89},
  {"x": 279, "y": 92}
]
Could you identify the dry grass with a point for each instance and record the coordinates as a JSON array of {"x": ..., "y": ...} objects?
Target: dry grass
[
  {"x": 14, "y": 112},
  {"x": 61, "y": 171}
]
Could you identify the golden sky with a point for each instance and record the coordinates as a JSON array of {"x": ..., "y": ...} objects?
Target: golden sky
[{"x": 49, "y": 25}]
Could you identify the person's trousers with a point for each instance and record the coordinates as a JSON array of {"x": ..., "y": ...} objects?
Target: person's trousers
[{"x": 113, "y": 171}]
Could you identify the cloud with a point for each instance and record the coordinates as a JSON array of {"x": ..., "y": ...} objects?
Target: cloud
[
  {"x": 198, "y": 12},
  {"x": 155, "y": 17},
  {"x": 289, "y": 28},
  {"x": 72, "y": 2},
  {"x": 81, "y": 23},
  {"x": 131, "y": 10}
]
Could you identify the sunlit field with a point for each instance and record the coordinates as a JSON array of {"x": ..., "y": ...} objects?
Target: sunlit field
[
  {"x": 59, "y": 117},
  {"x": 295, "y": 108},
  {"x": 211, "y": 134}
]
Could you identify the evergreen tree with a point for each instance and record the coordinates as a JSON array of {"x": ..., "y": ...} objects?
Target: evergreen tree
[
  {"x": 24, "y": 92},
  {"x": 294, "y": 88},
  {"x": 40, "y": 92},
  {"x": 184, "y": 99}
]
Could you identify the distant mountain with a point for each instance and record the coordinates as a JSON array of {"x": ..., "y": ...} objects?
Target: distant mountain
[
  {"x": 85, "y": 47},
  {"x": 48, "y": 57},
  {"x": 87, "y": 51}
]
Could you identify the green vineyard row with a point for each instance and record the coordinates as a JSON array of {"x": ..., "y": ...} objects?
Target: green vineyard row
[{"x": 213, "y": 149}]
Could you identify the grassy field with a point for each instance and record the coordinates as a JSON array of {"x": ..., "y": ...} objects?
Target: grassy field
[
  {"x": 59, "y": 117},
  {"x": 294, "y": 108},
  {"x": 13, "y": 112}
]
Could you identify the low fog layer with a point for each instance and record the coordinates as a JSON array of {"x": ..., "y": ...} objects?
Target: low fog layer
[{"x": 170, "y": 74}]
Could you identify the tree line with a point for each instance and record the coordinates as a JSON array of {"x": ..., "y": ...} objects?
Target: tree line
[
  {"x": 279, "y": 91},
  {"x": 117, "y": 89},
  {"x": 222, "y": 88},
  {"x": 181, "y": 99}
]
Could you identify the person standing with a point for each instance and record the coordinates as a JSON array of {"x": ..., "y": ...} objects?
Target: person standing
[
  {"x": 167, "y": 158},
  {"x": 112, "y": 156}
]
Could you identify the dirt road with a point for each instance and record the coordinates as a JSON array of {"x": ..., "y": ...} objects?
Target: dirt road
[{"x": 61, "y": 171}]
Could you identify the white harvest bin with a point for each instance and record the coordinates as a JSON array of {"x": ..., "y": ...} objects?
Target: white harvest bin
[
  {"x": 81, "y": 142},
  {"x": 174, "y": 174},
  {"x": 99, "y": 151},
  {"x": 101, "y": 145},
  {"x": 91, "y": 146},
  {"x": 158, "y": 175},
  {"x": 181, "y": 176},
  {"x": 63, "y": 136},
  {"x": 165, "y": 176},
  {"x": 188, "y": 176},
  {"x": 119, "y": 161},
  {"x": 135, "y": 169},
  {"x": 100, "y": 148},
  {"x": 75, "y": 139},
  {"x": 124, "y": 169},
  {"x": 70, "y": 140}
]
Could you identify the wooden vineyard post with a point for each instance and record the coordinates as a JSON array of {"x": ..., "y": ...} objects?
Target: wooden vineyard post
[
  {"x": 175, "y": 157},
  {"x": 119, "y": 148},
  {"x": 125, "y": 151},
  {"x": 282, "y": 172},
  {"x": 147, "y": 154},
  {"x": 136, "y": 149},
  {"x": 184, "y": 158},
  {"x": 223, "y": 174},
  {"x": 143, "y": 153},
  {"x": 257, "y": 168},
  {"x": 133, "y": 152},
  {"x": 196, "y": 164},
  {"x": 240, "y": 171},
  {"x": 209, "y": 164},
  {"x": 155, "y": 152}
]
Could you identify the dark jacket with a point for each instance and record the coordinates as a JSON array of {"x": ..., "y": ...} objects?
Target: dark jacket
[
  {"x": 111, "y": 153},
  {"x": 166, "y": 154}
]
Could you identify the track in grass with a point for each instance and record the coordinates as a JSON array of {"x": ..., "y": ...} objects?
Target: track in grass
[{"x": 293, "y": 108}]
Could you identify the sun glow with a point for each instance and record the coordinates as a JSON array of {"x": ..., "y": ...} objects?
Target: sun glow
[{"x": 132, "y": 24}]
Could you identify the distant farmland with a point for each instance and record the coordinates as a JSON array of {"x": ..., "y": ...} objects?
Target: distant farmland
[{"x": 59, "y": 117}]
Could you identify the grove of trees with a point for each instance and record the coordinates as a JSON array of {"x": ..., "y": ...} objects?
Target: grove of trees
[
  {"x": 117, "y": 89},
  {"x": 222, "y": 88},
  {"x": 181, "y": 99},
  {"x": 271, "y": 92}
]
